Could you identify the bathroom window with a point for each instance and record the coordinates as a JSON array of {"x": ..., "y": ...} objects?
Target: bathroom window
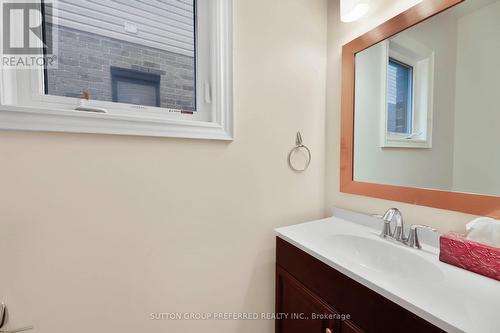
[
  {"x": 166, "y": 63},
  {"x": 408, "y": 109},
  {"x": 399, "y": 98}
]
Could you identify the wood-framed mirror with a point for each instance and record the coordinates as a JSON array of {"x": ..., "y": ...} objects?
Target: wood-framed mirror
[{"x": 420, "y": 112}]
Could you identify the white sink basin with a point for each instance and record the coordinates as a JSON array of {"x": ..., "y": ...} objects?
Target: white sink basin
[{"x": 384, "y": 257}]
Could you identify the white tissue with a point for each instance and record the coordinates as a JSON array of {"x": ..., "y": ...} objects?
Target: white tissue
[{"x": 484, "y": 230}]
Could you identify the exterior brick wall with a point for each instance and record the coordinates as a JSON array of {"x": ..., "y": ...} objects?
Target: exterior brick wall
[{"x": 85, "y": 60}]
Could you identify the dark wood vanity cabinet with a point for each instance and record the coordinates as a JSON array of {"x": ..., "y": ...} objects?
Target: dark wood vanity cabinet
[{"x": 312, "y": 297}]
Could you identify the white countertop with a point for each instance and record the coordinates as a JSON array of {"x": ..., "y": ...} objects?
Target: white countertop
[{"x": 451, "y": 298}]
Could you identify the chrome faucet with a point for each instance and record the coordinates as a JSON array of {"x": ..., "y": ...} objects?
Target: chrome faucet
[
  {"x": 393, "y": 214},
  {"x": 398, "y": 234}
]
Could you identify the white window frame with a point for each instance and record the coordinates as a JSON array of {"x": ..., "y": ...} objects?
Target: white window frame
[
  {"x": 23, "y": 107},
  {"x": 412, "y": 53}
]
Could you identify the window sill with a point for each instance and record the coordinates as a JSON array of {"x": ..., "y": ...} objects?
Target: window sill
[
  {"x": 406, "y": 143},
  {"x": 37, "y": 119}
]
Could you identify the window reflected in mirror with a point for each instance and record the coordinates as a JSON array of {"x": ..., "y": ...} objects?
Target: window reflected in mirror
[{"x": 399, "y": 98}]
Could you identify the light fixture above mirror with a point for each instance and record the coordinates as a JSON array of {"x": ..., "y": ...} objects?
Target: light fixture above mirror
[{"x": 352, "y": 10}]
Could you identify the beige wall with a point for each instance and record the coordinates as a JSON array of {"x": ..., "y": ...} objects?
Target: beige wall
[
  {"x": 477, "y": 114},
  {"x": 97, "y": 232},
  {"x": 339, "y": 34}
]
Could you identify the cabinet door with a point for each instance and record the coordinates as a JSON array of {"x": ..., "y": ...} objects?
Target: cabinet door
[{"x": 299, "y": 310}]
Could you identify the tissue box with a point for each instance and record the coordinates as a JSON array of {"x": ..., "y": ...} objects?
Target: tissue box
[{"x": 475, "y": 257}]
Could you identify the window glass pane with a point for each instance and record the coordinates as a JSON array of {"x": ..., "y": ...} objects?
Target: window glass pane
[
  {"x": 153, "y": 37},
  {"x": 399, "y": 97}
]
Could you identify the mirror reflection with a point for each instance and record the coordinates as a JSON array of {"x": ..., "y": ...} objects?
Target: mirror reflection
[{"x": 427, "y": 107}]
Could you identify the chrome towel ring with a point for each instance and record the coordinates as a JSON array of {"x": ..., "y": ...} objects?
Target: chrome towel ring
[{"x": 299, "y": 148}]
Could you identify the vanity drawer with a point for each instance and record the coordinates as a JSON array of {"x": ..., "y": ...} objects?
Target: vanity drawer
[
  {"x": 368, "y": 311},
  {"x": 298, "y": 303}
]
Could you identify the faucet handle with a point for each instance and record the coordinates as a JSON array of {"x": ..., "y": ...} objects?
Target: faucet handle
[
  {"x": 413, "y": 236},
  {"x": 386, "y": 230}
]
